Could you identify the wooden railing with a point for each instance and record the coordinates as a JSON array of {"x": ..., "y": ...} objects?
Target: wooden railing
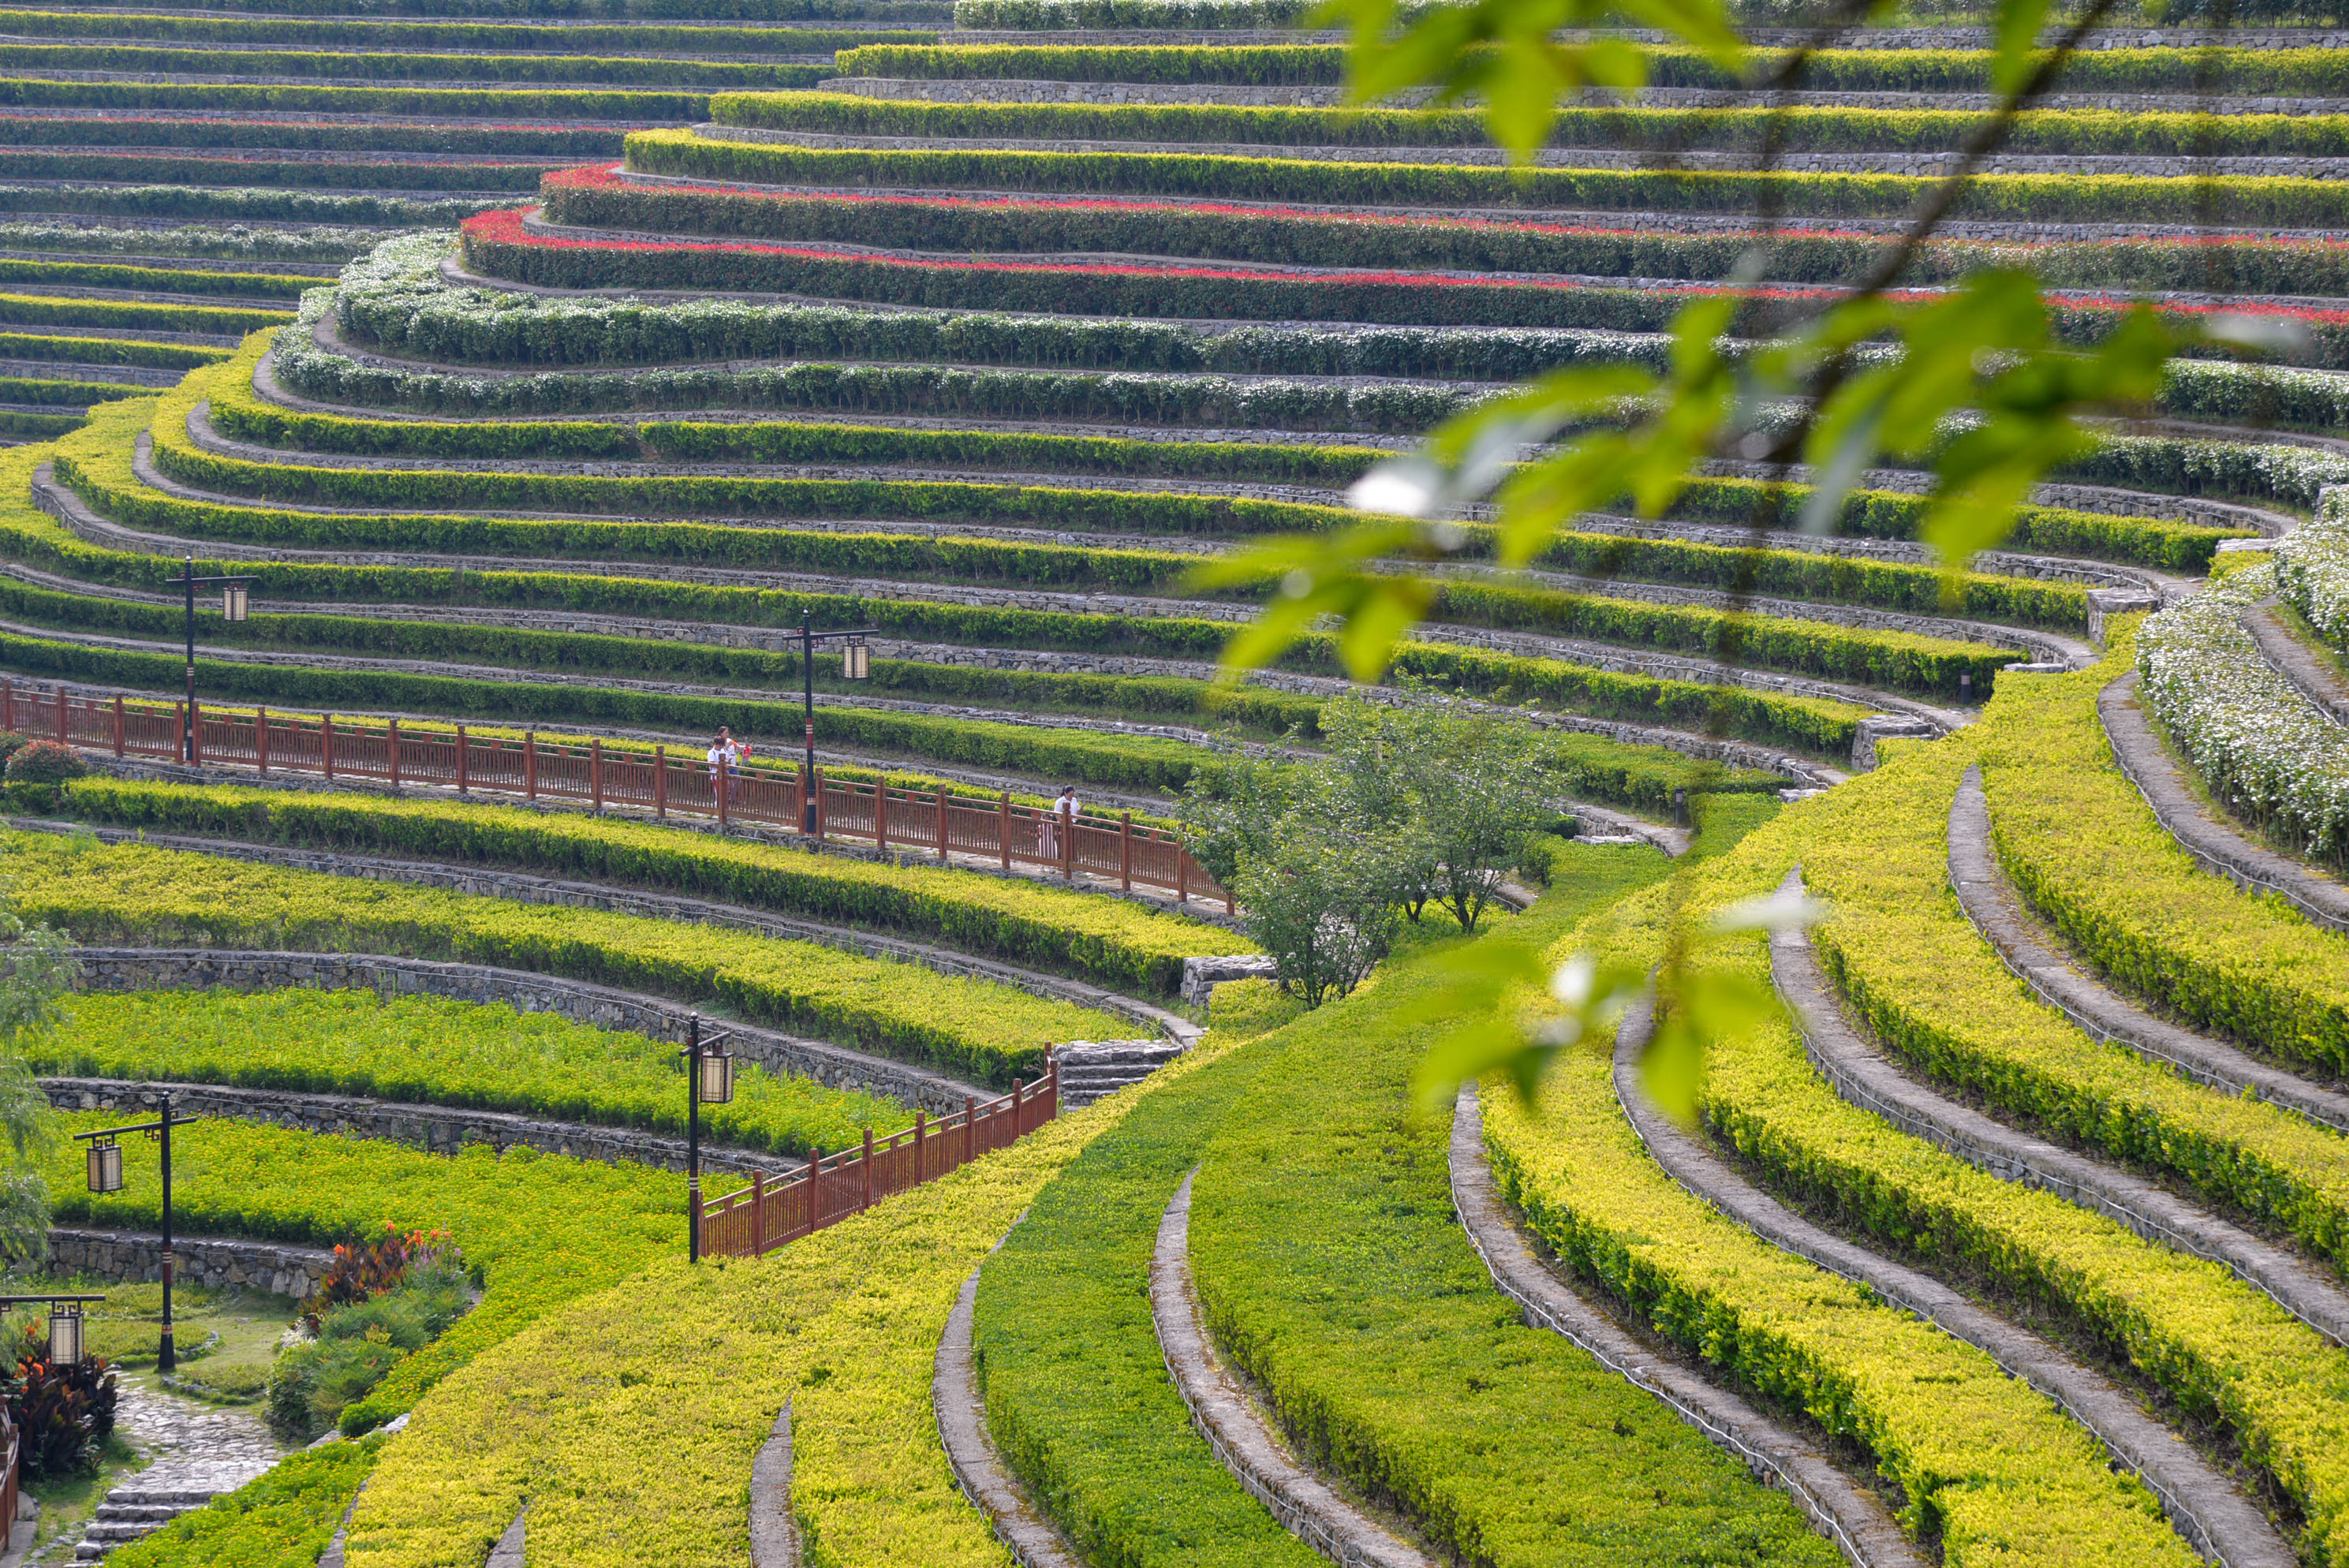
[
  {"x": 12, "y": 1442},
  {"x": 827, "y": 1188},
  {"x": 891, "y": 816}
]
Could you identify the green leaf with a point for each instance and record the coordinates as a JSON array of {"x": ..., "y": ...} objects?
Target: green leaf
[{"x": 2019, "y": 22}]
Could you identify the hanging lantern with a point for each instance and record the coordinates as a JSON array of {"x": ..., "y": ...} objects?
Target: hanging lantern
[
  {"x": 106, "y": 1167},
  {"x": 856, "y": 661},
  {"x": 717, "y": 1076},
  {"x": 236, "y": 600},
  {"x": 65, "y": 1335}
]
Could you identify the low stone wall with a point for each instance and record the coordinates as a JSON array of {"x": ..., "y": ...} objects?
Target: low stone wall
[
  {"x": 599, "y": 1006},
  {"x": 442, "y": 1129},
  {"x": 211, "y": 1262}
]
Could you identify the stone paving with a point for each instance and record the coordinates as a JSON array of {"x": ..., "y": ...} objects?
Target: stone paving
[{"x": 197, "y": 1451}]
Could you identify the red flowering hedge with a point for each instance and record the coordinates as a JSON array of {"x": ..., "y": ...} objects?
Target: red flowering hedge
[
  {"x": 499, "y": 245},
  {"x": 599, "y": 197}
]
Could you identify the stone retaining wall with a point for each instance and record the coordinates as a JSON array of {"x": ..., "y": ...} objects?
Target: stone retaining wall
[{"x": 213, "y": 1263}]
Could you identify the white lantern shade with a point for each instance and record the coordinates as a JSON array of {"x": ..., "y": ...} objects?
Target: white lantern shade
[
  {"x": 234, "y": 602},
  {"x": 856, "y": 661},
  {"x": 64, "y": 1336},
  {"x": 106, "y": 1168},
  {"x": 717, "y": 1077}
]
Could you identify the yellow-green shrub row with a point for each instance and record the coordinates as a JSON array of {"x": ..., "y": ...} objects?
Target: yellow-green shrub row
[
  {"x": 630, "y": 1420},
  {"x": 1937, "y": 994},
  {"x": 2089, "y": 855},
  {"x": 1113, "y": 941},
  {"x": 1983, "y": 1462},
  {"x": 129, "y": 892},
  {"x": 2220, "y": 1346}
]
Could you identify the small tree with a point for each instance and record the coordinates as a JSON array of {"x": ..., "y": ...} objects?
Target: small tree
[{"x": 1321, "y": 902}]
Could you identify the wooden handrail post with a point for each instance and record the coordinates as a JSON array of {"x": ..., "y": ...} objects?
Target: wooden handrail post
[
  {"x": 596, "y": 773},
  {"x": 660, "y": 783},
  {"x": 758, "y": 1213},
  {"x": 868, "y": 1168},
  {"x": 815, "y": 782},
  {"x": 815, "y": 1191},
  {"x": 1125, "y": 852},
  {"x": 65, "y": 734},
  {"x": 326, "y": 746},
  {"x": 260, "y": 739},
  {"x": 529, "y": 765},
  {"x": 464, "y": 761},
  {"x": 881, "y": 812},
  {"x": 799, "y": 797},
  {"x": 1019, "y": 1122},
  {"x": 921, "y": 1126},
  {"x": 942, "y": 824},
  {"x": 121, "y": 727},
  {"x": 8, "y": 703},
  {"x": 725, "y": 786},
  {"x": 1181, "y": 872},
  {"x": 392, "y": 751},
  {"x": 1068, "y": 848},
  {"x": 970, "y": 1129},
  {"x": 1003, "y": 829}
]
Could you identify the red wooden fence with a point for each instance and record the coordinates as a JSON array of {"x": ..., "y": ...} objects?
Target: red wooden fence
[
  {"x": 930, "y": 822},
  {"x": 828, "y": 1188}
]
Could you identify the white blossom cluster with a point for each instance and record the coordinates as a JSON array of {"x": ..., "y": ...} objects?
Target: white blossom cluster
[
  {"x": 2265, "y": 750},
  {"x": 2312, "y": 570}
]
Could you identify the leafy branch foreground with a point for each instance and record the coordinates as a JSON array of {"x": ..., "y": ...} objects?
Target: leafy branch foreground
[{"x": 1983, "y": 351}]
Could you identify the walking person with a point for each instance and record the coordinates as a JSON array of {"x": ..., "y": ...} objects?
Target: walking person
[{"x": 724, "y": 754}]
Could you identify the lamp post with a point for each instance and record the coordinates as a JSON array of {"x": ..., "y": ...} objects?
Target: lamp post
[
  {"x": 106, "y": 1176},
  {"x": 68, "y": 1344},
  {"x": 235, "y": 599},
  {"x": 857, "y": 665},
  {"x": 708, "y": 1080}
]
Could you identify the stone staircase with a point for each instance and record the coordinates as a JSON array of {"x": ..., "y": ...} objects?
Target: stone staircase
[
  {"x": 132, "y": 1510},
  {"x": 1091, "y": 1069}
]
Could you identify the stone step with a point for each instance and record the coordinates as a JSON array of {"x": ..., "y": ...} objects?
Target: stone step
[
  {"x": 187, "y": 1497},
  {"x": 112, "y": 1513}
]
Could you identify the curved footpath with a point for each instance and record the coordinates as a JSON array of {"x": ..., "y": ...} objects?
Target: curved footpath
[
  {"x": 1997, "y": 909},
  {"x": 961, "y": 1408},
  {"x": 525, "y": 888},
  {"x": 2217, "y": 845},
  {"x": 1847, "y": 1512},
  {"x": 1861, "y": 1074},
  {"x": 2205, "y": 1507},
  {"x": 1241, "y": 1435}
]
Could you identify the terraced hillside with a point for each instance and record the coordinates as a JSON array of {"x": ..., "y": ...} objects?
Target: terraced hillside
[{"x": 2011, "y": 1232}]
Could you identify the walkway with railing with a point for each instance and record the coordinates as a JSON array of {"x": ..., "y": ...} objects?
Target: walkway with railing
[
  {"x": 932, "y": 821},
  {"x": 828, "y": 1188}
]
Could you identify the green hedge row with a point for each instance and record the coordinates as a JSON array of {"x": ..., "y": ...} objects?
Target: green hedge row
[
  {"x": 1796, "y": 130},
  {"x": 395, "y": 66},
  {"x": 1109, "y": 941},
  {"x": 1800, "y": 574},
  {"x": 2309, "y": 73},
  {"x": 110, "y": 351},
  {"x": 33, "y": 92},
  {"x": 65, "y": 394},
  {"x": 329, "y": 174},
  {"x": 154, "y": 280},
  {"x": 2297, "y": 204},
  {"x": 550, "y": 141},
  {"x": 345, "y": 33},
  {"x": 218, "y": 204},
  {"x": 1319, "y": 239},
  {"x": 54, "y": 310}
]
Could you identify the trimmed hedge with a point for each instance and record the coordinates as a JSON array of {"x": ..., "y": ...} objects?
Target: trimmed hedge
[
  {"x": 218, "y": 204},
  {"x": 547, "y": 103},
  {"x": 2309, "y": 73},
  {"x": 1792, "y": 130},
  {"x": 65, "y": 394},
  {"x": 129, "y": 892},
  {"x": 282, "y": 1519},
  {"x": 1109, "y": 941},
  {"x": 153, "y": 130},
  {"x": 394, "y": 65},
  {"x": 110, "y": 351},
  {"x": 54, "y": 310},
  {"x": 156, "y": 279},
  {"x": 331, "y": 174},
  {"x": 348, "y": 32},
  {"x": 2298, "y": 203}
]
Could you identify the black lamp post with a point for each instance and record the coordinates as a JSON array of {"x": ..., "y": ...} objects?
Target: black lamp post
[
  {"x": 708, "y": 1080},
  {"x": 236, "y": 600},
  {"x": 68, "y": 1344},
  {"x": 857, "y": 665},
  {"x": 106, "y": 1176}
]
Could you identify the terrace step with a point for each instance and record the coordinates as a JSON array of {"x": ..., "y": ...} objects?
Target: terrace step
[{"x": 1090, "y": 1069}]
